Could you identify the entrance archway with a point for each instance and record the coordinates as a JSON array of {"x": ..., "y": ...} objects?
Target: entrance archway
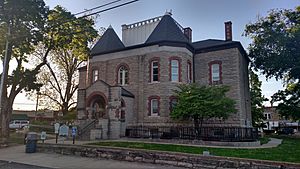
[{"x": 97, "y": 105}]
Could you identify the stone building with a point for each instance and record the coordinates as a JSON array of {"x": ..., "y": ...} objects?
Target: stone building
[{"x": 131, "y": 82}]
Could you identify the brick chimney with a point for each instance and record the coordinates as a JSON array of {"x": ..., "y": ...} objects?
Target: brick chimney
[
  {"x": 228, "y": 31},
  {"x": 188, "y": 33}
]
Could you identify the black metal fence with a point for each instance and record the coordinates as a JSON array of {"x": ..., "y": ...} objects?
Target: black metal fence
[{"x": 205, "y": 133}]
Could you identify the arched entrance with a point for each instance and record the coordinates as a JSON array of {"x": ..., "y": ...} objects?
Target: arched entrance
[{"x": 97, "y": 106}]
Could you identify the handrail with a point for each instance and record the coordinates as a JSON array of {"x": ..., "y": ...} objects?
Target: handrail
[{"x": 86, "y": 127}]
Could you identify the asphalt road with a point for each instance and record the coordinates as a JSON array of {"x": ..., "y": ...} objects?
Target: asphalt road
[{"x": 13, "y": 165}]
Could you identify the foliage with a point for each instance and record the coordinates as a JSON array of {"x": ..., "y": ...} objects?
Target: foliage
[
  {"x": 22, "y": 24},
  {"x": 289, "y": 99},
  {"x": 276, "y": 39},
  {"x": 202, "y": 102},
  {"x": 288, "y": 151},
  {"x": 35, "y": 32},
  {"x": 257, "y": 99},
  {"x": 60, "y": 77},
  {"x": 276, "y": 51}
]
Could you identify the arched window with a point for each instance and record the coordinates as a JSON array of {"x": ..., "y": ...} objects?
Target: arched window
[
  {"x": 123, "y": 76},
  {"x": 95, "y": 75}
]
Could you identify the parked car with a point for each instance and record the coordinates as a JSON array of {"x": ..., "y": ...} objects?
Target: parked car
[{"x": 19, "y": 124}]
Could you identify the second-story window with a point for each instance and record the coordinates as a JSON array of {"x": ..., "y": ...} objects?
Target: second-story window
[
  {"x": 95, "y": 75},
  {"x": 174, "y": 70},
  {"x": 123, "y": 75},
  {"x": 215, "y": 74},
  {"x": 154, "y": 71}
]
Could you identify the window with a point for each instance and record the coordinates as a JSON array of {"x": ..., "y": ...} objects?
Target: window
[
  {"x": 95, "y": 75},
  {"x": 215, "y": 74},
  {"x": 154, "y": 71},
  {"x": 267, "y": 116},
  {"x": 153, "y": 105},
  {"x": 173, "y": 102},
  {"x": 123, "y": 75},
  {"x": 174, "y": 70},
  {"x": 189, "y": 72}
]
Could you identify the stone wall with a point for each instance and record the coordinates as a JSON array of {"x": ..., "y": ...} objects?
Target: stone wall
[
  {"x": 165, "y": 158},
  {"x": 233, "y": 75}
]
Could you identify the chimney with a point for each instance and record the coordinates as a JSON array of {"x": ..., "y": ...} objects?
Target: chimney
[
  {"x": 188, "y": 33},
  {"x": 228, "y": 31}
]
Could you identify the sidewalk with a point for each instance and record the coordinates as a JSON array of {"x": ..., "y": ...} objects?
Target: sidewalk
[{"x": 17, "y": 154}]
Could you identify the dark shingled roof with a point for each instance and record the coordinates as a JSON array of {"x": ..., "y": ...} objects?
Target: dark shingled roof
[
  {"x": 210, "y": 43},
  {"x": 167, "y": 30},
  {"x": 108, "y": 42}
]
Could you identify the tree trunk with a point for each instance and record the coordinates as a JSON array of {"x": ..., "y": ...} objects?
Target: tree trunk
[{"x": 5, "y": 119}]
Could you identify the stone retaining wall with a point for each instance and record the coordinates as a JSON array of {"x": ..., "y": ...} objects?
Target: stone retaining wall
[{"x": 167, "y": 158}]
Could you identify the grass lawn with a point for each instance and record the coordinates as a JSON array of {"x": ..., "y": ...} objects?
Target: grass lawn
[{"x": 288, "y": 151}]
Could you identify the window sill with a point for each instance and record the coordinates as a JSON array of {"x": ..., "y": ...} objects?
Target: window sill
[
  {"x": 154, "y": 82},
  {"x": 154, "y": 115}
]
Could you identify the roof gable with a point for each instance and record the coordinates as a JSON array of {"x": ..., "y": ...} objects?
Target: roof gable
[
  {"x": 108, "y": 42},
  {"x": 167, "y": 30}
]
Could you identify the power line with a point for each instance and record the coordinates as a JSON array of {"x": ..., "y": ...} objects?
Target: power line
[
  {"x": 101, "y": 11},
  {"x": 100, "y": 6},
  {"x": 117, "y": 6}
]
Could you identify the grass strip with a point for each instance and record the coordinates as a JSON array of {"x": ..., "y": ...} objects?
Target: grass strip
[{"x": 288, "y": 151}]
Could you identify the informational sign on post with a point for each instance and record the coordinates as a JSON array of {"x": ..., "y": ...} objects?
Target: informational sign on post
[
  {"x": 63, "y": 130},
  {"x": 43, "y": 136},
  {"x": 56, "y": 128},
  {"x": 74, "y": 131}
]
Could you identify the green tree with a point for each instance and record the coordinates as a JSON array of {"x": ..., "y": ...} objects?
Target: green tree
[
  {"x": 289, "y": 102},
  {"x": 275, "y": 51},
  {"x": 257, "y": 99},
  {"x": 202, "y": 103},
  {"x": 22, "y": 23},
  {"x": 59, "y": 77},
  {"x": 34, "y": 32}
]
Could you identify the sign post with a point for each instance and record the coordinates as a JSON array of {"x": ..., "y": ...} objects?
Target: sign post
[
  {"x": 74, "y": 130},
  {"x": 43, "y": 136},
  {"x": 56, "y": 131}
]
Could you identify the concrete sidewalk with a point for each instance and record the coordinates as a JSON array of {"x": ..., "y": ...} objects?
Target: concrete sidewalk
[{"x": 17, "y": 154}]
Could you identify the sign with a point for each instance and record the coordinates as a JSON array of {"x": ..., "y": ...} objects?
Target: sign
[
  {"x": 56, "y": 128},
  {"x": 43, "y": 135},
  {"x": 74, "y": 131},
  {"x": 63, "y": 130}
]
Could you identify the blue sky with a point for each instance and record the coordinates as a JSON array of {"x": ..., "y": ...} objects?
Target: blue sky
[{"x": 205, "y": 17}]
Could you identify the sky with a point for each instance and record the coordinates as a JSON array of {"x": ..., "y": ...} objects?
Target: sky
[{"x": 205, "y": 17}]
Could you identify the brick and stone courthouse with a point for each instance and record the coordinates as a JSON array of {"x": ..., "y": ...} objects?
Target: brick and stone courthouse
[{"x": 131, "y": 82}]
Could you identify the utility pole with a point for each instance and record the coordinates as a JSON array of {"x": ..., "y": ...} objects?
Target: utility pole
[{"x": 5, "y": 67}]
